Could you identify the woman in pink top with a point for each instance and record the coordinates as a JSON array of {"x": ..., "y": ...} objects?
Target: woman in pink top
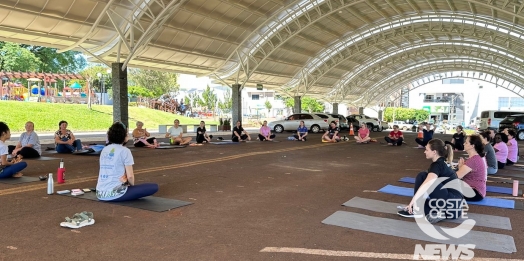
[
  {"x": 513, "y": 148},
  {"x": 501, "y": 149},
  {"x": 473, "y": 170},
  {"x": 363, "y": 134},
  {"x": 265, "y": 133}
]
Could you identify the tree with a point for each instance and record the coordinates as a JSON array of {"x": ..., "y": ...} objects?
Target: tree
[
  {"x": 157, "y": 82},
  {"x": 91, "y": 74},
  {"x": 227, "y": 102},
  {"x": 209, "y": 99},
  {"x": 15, "y": 58},
  {"x": 307, "y": 104},
  {"x": 138, "y": 91},
  {"x": 403, "y": 114},
  {"x": 268, "y": 106},
  {"x": 70, "y": 61}
]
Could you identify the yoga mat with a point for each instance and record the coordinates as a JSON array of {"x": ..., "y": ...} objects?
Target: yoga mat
[
  {"x": 481, "y": 240},
  {"x": 20, "y": 180},
  {"x": 150, "y": 203},
  {"x": 391, "y": 208},
  {"x": 165, "y": 147},
  {"x": 44, "y": 158},
  {"x": 50, "y": 148},
  {"x": 494, "y": 189},
  {"x": 487, "y": 201},
  {"x": 223, "y": 142},
  {"x": 87, "y": 153}
]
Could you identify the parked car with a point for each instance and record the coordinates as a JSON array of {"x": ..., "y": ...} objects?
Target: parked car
[
  {"x": 372, "y": 123},
  {"x": 342, "y": 122},
  {"x": 384, "y": 125},
  {"x": 489, "y": 120},
  {"x": 326, "y": 117},
  {"x": 313, "y": 122},
  {"x": 515, "y": 122},
  {"x": 401, "y": 125}
]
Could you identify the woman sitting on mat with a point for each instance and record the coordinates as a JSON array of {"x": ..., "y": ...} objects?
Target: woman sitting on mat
[
  {"x": 513, "y": 148},
  {"x": 28, "y": 145},
  {"x": 175, "y": 134},
  {"x": 265, "y": 133},
  {"x": 427, "y": 131},
  {"x": 239, "y": 134},
  {"x": 116, "y": 181},
  {"x": 301, "y": 132},
  {"x": 331, "y": 134},
  {"x": 13, "y": 168},
  {"x": 501, "y": 149},
  {"x": 363, "y": 134},
  {"x": 141, "y": 137},
  {"x": 395, "y": 137},
  {"x": 473, "y": 170},
  {"x": 65, "y": 140},
  {"x": 491, "y": 159},
  {"x": 457, "y": 141},
  {"x": 436, "y": 151},
  {"x": 201, "y": 134}
]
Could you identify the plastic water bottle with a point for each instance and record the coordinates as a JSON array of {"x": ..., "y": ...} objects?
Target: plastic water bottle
[
  {"x": 515, "y": 188},
  {"x": 50, "y": 184}
]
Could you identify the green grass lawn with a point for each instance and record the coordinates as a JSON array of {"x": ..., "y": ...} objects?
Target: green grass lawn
[{"x": 47, "y": 115}]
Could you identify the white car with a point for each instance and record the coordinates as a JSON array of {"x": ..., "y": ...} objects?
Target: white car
[{"x": 313, "y": 122}]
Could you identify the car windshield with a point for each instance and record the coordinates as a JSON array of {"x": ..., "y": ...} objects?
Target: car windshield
[{"x": 322, "y": 116}]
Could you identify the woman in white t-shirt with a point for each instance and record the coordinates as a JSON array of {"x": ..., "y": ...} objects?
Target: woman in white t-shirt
[
  {"x": 175, "y": 135},
  {"x": 116, "y": 181},
  {"x": 8, "y": 169}
]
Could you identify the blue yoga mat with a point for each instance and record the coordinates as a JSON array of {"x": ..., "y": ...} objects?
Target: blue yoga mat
[
  {"x": 494, "y": 189},
  {"x": 490, "y": 202},
  {"x": 224, "y": 142}
]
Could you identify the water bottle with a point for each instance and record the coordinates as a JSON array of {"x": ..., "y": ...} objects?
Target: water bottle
[
  {"x": 515, "y": 188},
  {"x": 60, "y": 173},
  {"x": 50, "y": 184}
]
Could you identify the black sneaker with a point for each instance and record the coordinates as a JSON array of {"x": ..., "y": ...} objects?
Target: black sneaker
[
  {"x": 405, "y": 213},
  {"x": 432, "y": 219}
]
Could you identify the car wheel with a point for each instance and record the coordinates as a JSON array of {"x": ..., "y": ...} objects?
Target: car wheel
[
  {"x": 279, "y": 128},
  {"x": 375, "y": 129},
  {"x": 370, "y": 127},
  {"x": 315, "y": 128},
  {"x": 520, "y": 135}
]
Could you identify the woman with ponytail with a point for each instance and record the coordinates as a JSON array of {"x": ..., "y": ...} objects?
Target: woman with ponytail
[{"x": 473, "y": 171}]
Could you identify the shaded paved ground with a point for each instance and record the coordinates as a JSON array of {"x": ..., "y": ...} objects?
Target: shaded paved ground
[{"x": 246, "y": 197}]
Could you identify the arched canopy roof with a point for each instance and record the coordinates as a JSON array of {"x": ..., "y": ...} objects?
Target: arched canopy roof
[{"x": 337, "y": 50}]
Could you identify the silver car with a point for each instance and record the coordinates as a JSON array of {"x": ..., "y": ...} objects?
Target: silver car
[{"x": 313, "y": 122}]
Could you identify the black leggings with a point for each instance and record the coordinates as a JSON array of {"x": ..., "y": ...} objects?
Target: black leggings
[
  {"x": 500, "y": 165},
  {"x": 455, "y": 146},
  {"x": 398, "y": 142},
  {"x": 200, "y": 138},
  {"x": 509, "y": 162},
  {"x": 262, "y": 138},
  {"x": 303, "y": 138},
  {"x": 26, "y": 152},
  {"x": 438, "y": 193},
  {"x": 477, "y": 197},
  {"x": 235, "y": 138},
  {"x": 421, "y": 142},
  {"x": 141, "y": 144}
]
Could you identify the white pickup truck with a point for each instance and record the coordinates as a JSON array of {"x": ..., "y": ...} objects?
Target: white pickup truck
[{"x": 401, "y": 125}]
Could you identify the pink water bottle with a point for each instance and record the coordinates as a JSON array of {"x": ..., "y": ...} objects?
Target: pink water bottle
[
  {"x": 60, "y": 175},
  {"x": 515, "y": 188}
]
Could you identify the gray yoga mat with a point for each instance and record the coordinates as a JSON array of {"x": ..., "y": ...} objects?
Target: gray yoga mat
[
  {"x": 44, "y": 158},
  {"x": 165, "y": 147},
  {"x": 391, "y": 227},
  {"x": 148, "y": 203},
  {"x": 23, "y": 179},
  {"x": 388, "y": 207}
]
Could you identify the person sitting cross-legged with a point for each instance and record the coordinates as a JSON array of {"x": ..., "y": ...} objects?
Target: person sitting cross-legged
[
  {"x": 141, "y": 137},
  {"x": 201, "y": 135},
  {"x": 331, "y": 134},
  {"x": 427, "y": 131},
  {"x": 65, "y": 140},
  {"x": 28, "y": 145},
  {"x": 362, "y": 134},
  {"x": 175, "y": 133},
  {"x": 301, "y": 132},
  {"x": 116, "y": 179},
  {"x": 473, "y": 170},
  {"x": 12, "y": 168},
  {"x": 265, "y": 133},
  {"x": 395, "y": 137},
  {"x": 513, "y": 148},
  {"x": 436, "y": 151},
  {"x": 239, "y": 133},
  {"x": 457, "y": 141},
  {"x": 501, "y": 149}
]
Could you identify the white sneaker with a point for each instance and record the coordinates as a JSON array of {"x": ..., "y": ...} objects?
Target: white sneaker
[{"x": 79, "y": 220}]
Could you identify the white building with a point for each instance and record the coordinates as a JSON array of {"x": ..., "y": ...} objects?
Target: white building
[{"x": 468, "y": 96}]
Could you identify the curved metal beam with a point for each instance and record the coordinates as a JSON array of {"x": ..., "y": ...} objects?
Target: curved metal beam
[{"x": 357, "y": 43}]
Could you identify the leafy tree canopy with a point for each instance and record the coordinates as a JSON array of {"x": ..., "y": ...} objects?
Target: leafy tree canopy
[
  {"x": 403, "y": 114},
  {"x": 307, "y": 104},
  {"x": 157, "y": 82}
]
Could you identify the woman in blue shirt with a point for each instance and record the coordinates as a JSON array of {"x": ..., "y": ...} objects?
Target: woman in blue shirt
[{"x": 301, "y": 132}]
